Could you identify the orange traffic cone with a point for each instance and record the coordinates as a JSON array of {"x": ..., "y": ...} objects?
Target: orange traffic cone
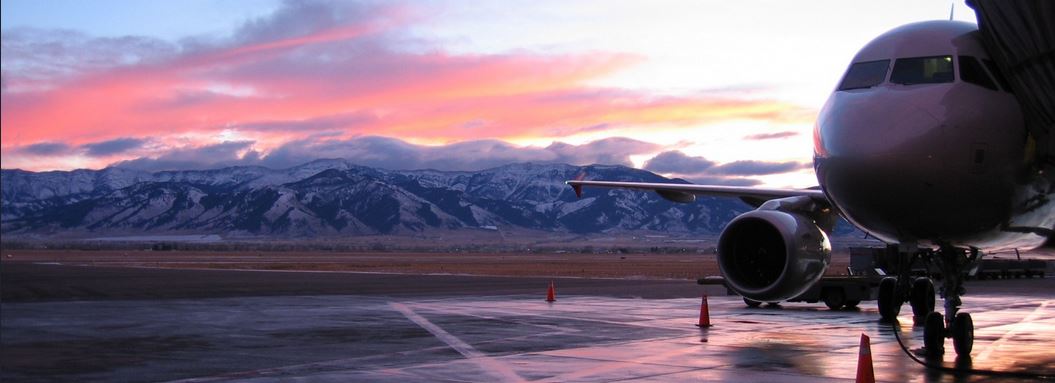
[
  {"x": 865, "y": 374},
  {"x": 551, "y": 295},
  {"x": 705, "y": 315}
]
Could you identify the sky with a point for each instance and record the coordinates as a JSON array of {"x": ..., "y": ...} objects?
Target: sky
[{"x": 721, "y": 92}]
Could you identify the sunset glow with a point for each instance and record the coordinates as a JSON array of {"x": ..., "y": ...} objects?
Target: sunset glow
[{"x": 297, "y": 80}]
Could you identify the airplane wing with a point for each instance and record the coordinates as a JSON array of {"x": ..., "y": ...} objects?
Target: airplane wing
[{"x": 688, "y": 192}]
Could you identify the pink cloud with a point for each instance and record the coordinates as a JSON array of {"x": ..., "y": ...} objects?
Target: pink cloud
[{"x": 342, "y": 75}]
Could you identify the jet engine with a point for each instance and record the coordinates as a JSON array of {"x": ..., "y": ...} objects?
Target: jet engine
[{"x": 778, "y": 251}]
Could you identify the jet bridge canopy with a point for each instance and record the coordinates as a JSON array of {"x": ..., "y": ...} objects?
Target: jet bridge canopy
[{"x": 1020, "y": 35}]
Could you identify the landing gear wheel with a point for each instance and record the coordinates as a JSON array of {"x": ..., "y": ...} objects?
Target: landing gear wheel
[
  {"x": 851, "y": 304},
  {"x": 889, "y": 303},
  {"x": 834, "y": 299},
  {"x": 922, "y": 297},
  {"x": 934, "y": 334},
  {"x": 752, "y": 302},
  {"x": 963, "y": 334}
]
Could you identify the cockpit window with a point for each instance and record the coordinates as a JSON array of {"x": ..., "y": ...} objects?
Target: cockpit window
[
  {"x": 922, "y": 70},
  {"x": 998, "y": 74},
  {"x": 865, "y": 75},
  {"x": 971, "y": 71}
]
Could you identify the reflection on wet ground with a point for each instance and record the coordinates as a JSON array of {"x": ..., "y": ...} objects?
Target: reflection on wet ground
[{"x": 496, "y": 338}]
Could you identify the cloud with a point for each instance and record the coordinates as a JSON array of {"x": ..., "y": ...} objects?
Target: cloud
[
  {"x": 308, "y": 61},
  {"x": 227, "y": 153},
  {"x": 725, "y": 181},
  {"x": 392, "y": 153},
  {"x": 50, "y": 149},
  {"x": 45, "y": 149},
  {"x": 703, "y": 171},
  {"x": 111, "y": 147},
  {"x": 380, "y": 152},
  {"x": 296, "y": 19},
  {"x": 755, "y": 168},
  {"x": 347, "y": 121},
  {"x": 38, "y": 59},
  {"x": 771, "y": 136},
  {"x": 609, "y": 151},
  {"x": 344, "y": 69},
  {"x": 677, "y": 162}
]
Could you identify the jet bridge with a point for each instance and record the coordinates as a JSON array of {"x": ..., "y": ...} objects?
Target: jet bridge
[{"x": 1020, "y": 36}]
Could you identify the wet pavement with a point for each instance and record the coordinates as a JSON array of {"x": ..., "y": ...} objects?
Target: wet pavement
[{"x": 506, "y": 337}]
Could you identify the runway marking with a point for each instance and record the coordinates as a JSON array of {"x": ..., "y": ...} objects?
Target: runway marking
[
  {"x": 610, "y": 365},
  {"x": 488, "y": 364},
  {"x": 1013, "y": 331},
  {"x": 642, "y": 322},
  {"x": 494, "y": 318}
]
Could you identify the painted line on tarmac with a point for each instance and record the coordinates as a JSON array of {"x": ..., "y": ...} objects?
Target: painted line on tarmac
[
  {"x": 1017, "y": 327},
  {"x": 488, "y": 364}
]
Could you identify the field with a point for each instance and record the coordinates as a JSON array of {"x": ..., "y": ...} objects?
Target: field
[{"x": 652, "y": 266}]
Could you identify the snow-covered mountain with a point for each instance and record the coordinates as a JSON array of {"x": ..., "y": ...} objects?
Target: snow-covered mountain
[{"x": 336, "y": 197}]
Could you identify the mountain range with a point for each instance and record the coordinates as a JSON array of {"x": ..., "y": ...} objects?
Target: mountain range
[{"x": 338, "y": 198}]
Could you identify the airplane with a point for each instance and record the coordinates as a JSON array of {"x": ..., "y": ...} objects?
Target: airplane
[{"x": 923, "y": 146}]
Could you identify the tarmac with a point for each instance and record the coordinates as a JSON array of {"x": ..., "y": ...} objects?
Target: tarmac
[{"x": 62, "y": 323}]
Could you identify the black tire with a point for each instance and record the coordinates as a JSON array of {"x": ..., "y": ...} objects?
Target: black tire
[
  {"x": 834, "y": 298},
  {"x": 888, "y": 302},
  {"x": 963, "y": 334},
  {"x": 934, "y": 334},
  {"x": 922, "y": 297},
  {"x": 851, "y": 304},
  {"x": 751, "y": 302}
]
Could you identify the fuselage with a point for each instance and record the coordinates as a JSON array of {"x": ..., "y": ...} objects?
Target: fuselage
[{"x": 922, "y": 142}]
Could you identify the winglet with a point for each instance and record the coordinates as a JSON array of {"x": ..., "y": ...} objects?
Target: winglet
[{"x": 576, "y": 186}]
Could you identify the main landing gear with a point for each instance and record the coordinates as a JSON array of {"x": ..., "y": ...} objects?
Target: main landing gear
[{"x": 919, "y": 292}]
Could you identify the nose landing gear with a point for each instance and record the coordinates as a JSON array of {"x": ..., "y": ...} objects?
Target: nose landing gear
[
  {"x": 893, "y": 292},
  {"x": 954, "y": 263}
]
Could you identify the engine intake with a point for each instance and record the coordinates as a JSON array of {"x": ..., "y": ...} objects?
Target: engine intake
[{"x": 771, "y": 255}]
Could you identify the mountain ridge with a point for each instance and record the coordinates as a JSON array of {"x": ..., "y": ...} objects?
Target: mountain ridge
[{"x": 335, "y": 197}]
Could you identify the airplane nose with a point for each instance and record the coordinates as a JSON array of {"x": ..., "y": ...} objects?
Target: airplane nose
[
  {"x": 868, "y": 125},
  {"x": 875, "y": 158}
]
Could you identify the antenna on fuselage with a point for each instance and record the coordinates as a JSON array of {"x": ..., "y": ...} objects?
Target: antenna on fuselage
[{"x": 952, "y": 8}]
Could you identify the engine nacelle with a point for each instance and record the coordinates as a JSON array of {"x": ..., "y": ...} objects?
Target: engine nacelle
[{"x": 770, "y": 255}]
